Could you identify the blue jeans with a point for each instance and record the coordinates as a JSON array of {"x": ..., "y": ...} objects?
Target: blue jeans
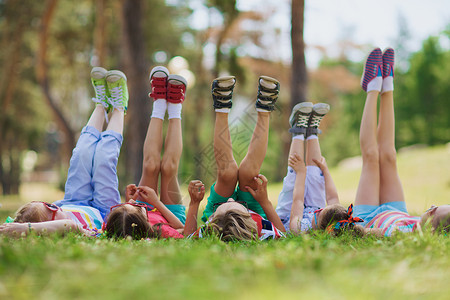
[{"x": 92, "y": 177}]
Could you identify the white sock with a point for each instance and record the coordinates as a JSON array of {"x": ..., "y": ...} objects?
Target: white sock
[
  {"x": 312, "y": 137},
  {"x": 222, "y": 110},
  {"x": 174, "y": 110},
  {"x": 159, "y": 108},
  {"x": 375, "y": 84},
  {"x": 299, "y": 137},
  {"x": 388, "y": 84}
]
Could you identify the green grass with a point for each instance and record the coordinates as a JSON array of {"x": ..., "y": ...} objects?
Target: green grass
[{"x": 314, "y": 266}]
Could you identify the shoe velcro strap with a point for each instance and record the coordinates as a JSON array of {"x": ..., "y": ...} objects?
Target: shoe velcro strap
[
  {"x": 175, "y": 93},
  {"x": 298, "y": 130},
  {"x": 268, "y": 107},
  {"x": 219, "y": 104},
  {"x": 221, "y": 97},
  {"x": 313, "y": 130}
]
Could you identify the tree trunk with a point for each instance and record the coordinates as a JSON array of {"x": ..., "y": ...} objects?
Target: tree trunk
[
  {"x": 42, "y": 77},
  {"x": 136, "y": 69},
  {"x": 100, "y": 32},
  {"x": 299, "y": 78}
]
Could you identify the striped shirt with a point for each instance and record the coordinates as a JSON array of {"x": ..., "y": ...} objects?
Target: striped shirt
[
  {"x": 87, "y": 217},
  {"x": 391, "y": 221},
  {"x": 266, "y": 229}
]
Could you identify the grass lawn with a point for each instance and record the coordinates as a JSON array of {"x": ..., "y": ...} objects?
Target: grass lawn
[{"x": 314, "y": 266}]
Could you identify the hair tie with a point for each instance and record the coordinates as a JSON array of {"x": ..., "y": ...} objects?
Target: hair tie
[{"x": 350, "y": 221}]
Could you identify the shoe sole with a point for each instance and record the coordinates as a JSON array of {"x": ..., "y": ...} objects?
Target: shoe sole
[
  {"x": 302, "y": 107},
  {"x": 321, "y": 108},
  {"x": 159, "y": 71},
  {"x": 177, "y": 79},
  {"x": 98, "y": 72},
  {"x": 115, "y": 75},
  {"x": 225, "y": 81}
]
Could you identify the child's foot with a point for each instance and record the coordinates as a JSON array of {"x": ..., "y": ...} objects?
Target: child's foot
[
  {"x": 388, "y": 70},
  {"x": 117, "y": 85},
  {"x": 268, "y": 89},
  {"x": 372, "y": 75},
  {"x": 158, "y": 81},
  {"x": 222, "y": 93},
  {"x": 98, "y": 80},
  {"x": 319, "y": 111},
  {"x": 176, "y": 88},
  {"x": 299, "y": 118}
]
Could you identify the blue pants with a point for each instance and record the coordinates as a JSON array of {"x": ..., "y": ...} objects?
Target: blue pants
[{"x": 92, "y": 177}]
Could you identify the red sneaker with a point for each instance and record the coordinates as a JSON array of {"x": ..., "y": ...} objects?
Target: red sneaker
[
  {"x": 158, "y": 82},
  {"x": 176, "y": 88}
]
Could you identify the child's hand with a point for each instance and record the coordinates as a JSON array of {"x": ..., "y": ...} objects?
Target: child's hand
[
  {"x": 13, "y": 229},
  {"x": 196, "y": 190},
  {"x": 296, "y": 162},
  {"x": 321, "y": 163},
  {"x": 131, "y": 192},
  {"x": 147, "y": 194},
  {"x": 260, "y": 194}
]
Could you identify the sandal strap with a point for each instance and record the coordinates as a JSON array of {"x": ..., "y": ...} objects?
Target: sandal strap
[{"x": 220, "y": 100}]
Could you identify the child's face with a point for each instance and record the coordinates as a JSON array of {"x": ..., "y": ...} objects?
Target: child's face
[
  {"x": 53, "y": 214},
  {"x": 230, "y": 205},
  {"x": 435, "y": 212}
]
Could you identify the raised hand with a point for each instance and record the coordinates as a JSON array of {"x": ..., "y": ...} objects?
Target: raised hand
[
  {"x": 321, "y": 163},
  {"x": 260, "y": 193},
  {"x": 131, "y": 192},
  {"x": 296, "y": 162},
  {"x": 196, "y": 190},
  {"x": 147, "y": 194}
]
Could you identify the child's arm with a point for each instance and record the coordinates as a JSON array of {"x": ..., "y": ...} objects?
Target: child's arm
[
  {"x": 298, "y": 199},
  {"x": 196, "y": 192},
  {"x": 131, "y": 192},
  {"x": 330, "y": 188},
  {"x": 260, "y": 195},
  {"x": 41, "y": 228},
  {"x": 148, "y": 195}
]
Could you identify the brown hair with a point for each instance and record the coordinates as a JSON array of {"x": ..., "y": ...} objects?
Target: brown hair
[
  {"x": 332, "y": 215},
  {"x": 31, "y": 213},
  {"x": 123, "y": 223},
  {"x": 441, "y": 223},
  {"x": 233, "y": 225}
]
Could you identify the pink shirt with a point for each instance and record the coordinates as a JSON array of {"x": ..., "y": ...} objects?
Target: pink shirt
[{"x": 167, "y": 231}]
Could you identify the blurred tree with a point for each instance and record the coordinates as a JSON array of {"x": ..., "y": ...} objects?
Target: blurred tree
[{"x": 299, "y": 78}]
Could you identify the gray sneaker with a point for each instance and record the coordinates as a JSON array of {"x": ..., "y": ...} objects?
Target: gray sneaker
[
  {"x": 319, "y": 111},
  {"x": 300, "y": 117}
]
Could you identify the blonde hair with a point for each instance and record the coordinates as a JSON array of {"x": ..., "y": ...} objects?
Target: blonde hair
[
  {"x": 123, "y": 223},
  {"x": 30, "y": 213},
  {"x": 233, "y": 225}
]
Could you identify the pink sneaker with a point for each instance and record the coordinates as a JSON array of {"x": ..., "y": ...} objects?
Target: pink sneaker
[
  {"x": 176, "y": 88},
  {"x": 158, "y": 81},
  {"x": 372, "y": 68},
  {"x": 388, "y": 62}
]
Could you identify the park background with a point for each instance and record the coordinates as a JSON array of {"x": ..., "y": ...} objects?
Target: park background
[{"x": 48, "y": 49}]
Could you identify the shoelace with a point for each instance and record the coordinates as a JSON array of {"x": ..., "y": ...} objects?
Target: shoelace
[
  {"x": 116, "y": 98},
  {"x": 100, "y": 91},
  {"x": 302, "y": 120},
  {"x": 315, "y": 120}
]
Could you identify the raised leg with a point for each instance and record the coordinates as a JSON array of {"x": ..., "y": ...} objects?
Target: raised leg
[
  {"x": 390, "y": 185},
  {"x": 170, "y": 189},
  {"x": 252, "y": 162},
  {"x": 369, "y": 182},
  {"x": 152, "y": 154},
  {"x": 227, "y": 169}
]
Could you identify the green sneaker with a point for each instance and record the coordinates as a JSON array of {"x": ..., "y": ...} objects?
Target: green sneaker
[
  {"x": 117, "y": 86},
  {"x": 98, "y": 79}
]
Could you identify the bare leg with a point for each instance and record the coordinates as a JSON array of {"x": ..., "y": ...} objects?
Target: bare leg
[
  {"x": 152, "y": 154},
  {"x": 312, "y": 151},
  {"x": 297, "y": 147},
  {"x": 170, "y": 189},
  {"x": 252, "y": 162},
  {"x": 116, "y": 122},
  {"x": 97, "y": 118},
  {"x": 390, "y": 184},
  {"x": 369, "y": 182},
  {"x": 227, "y": 169}
]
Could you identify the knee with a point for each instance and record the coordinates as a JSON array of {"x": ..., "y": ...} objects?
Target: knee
[
  {"x": 152, "y": 166},
  {"x": 371, "y": 156},
  {"x": 169, "y": 167},
  {"x": 388, "y": 156},
  {"x": 228, "y": 174}
]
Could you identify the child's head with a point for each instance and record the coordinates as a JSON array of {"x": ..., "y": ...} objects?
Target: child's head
[
  {"x": 130, "y": 221},
  {"x": 37, "y": 211},
  {"x": 332, "y": 214},
  {"x": 232, "y": 221},
  {"x": 438, "y": 217}
]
